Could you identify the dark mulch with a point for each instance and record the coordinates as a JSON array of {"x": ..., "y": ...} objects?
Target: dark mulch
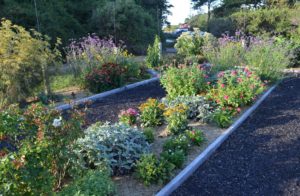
[
  {"x": 262, "y": 157},
  {"x": 109, "y": 108}
]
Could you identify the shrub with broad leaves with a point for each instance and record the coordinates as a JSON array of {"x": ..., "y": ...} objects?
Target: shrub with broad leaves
[
  {"x": 118, "y": 145},
  {"x": 184, "y": 81}
]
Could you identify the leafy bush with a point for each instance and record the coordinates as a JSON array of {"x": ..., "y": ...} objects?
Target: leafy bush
[
  {"x": 268, "y": 59},
  {"x": 93, "y": 183},
  {"x": 183, "y": 81},
  {"x": 152, "y": 170},
  {"x": 128, "y": 116},
  {"x": 41, "y": 156},
  {"x": 25, "y": 57},
  {"x": 223, "y": 117},
  {"x": 151, "y": 113},
  {"x": 228, "y": 53},
  {"x": 149, "y": 134},
  {"x": 153, "y": 54},
  {"x": 197, "y": 106},
  {"x": 236, "y": 88},
  {"x": 176, "y": 118},
  {"x": 196, "y": 136},
  {"x": 118, "y": 145},
  {"x": 108, "y": 76},
  {"x": 190, "y": 45},
  {"x": 179, "y": 142},
  {"x": 176, "y": 157}
]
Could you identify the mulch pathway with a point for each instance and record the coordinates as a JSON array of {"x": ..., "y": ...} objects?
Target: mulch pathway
[
  {"x": 108, "y": 108},
  {"x": 262, "y": 157}
]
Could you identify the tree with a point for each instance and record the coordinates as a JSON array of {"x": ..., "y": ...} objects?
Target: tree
[
  {"x": 24, "y": 58},
  {"x": 200, "y": 3}
]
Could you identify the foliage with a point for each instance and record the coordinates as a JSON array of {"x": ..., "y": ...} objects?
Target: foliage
[
  {"x": 176, "y": 157},
  {"x": 223, "y": 117},
  {"x": 228, "y": 53},
  {"x": 25, "y": 57},
  {"x": 95, "y": 182},
  {"x": 152, "y": 170},
  {"x": 236, "y": 88},
  {"x": 176, "y": 118},
  {"x": 108, "y": 76},
  {"x": 179, "y": 142},
  {"x": 151, "y": 113},
  {"x": 128, "y": 116},
  {"x": 268, "y": 58},
  {"x": 135, "y": 21},
  {"x": 149, "y": 134},
  {"x": 219, "y": 25},
  {"x": 190, "y": 45},
  {"x": 153, "y": 54},
  {"x": 197, "y": 106},
  {"x": 264, "y": 21},
  {"x": 183, "y": 81},
  {"x": 118, "y": 145},
  {"x": 196, "y": 136},
  {"x": 42, "y": 150}
]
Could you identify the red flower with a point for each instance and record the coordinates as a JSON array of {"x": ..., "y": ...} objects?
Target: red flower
[{"x": 226, "y": 97}]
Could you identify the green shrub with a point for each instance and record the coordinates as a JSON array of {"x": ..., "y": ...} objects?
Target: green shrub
[
  {"x": 151, "y": 113},
  {"x": 118, "y": 145},
  {"x": 223, "y": 117},
  {"x": 184, "y": 81},
  {"x": 190, "y": 45},
  {"x": 149, "y": 134},
  {"x": 92, "y": 183},
  {"x": 152, "y": 170},
  {"x": 25, "y": 57},
  {"x": 236, "y": 88},
  {"x": 196, "y": 136},
  {"x": 225, "y": 55},
  {"x": 44, "y": 157},
  {"x": 268, "y": 58},
  {"x": 176, "y": 157},
  {"x": 153, "y": 54},
  {"x": 176, "y": 118},
  {"x": 179, "y": 142}
]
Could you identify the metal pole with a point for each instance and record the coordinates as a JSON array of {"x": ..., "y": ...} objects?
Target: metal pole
[{"x": 37, "y": 17}]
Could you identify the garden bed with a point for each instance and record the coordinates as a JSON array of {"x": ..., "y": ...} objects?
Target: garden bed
[{"x": 109, "y": 108}]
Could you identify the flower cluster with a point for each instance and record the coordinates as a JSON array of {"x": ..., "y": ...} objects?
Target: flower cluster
[
  {"x": 196, "y": 136},
  {"x": 152, "y": 112},
  {"x": 128, "y": 116},
  {"x": 177, "y": 118},
  {"x": 106, "y": 77}
]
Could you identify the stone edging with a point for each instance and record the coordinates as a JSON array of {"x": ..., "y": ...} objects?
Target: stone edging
[
  {"x": 97, "y": 97},
  {"x": 194, "y": 165}
]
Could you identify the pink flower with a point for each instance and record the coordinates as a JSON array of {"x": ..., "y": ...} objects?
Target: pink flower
[
  {"x": 208, "y": 83},
  {"x": 226, "y": 97},
  {"x": 205, "y": 76},
  {"x": 239, "y": 80},
  {"x": 223, "y": 85},
  {"x": 132, "y": 112},
  {"x": 238, "y": 110},
  {"x": 221, "y": 74},
  {"x": 234, "y": 73}
]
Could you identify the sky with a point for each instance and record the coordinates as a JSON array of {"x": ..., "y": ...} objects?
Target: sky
[{"x": 182, "y": 9}]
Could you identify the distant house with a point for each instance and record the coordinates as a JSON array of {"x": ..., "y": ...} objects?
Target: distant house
[{"x": 184, "y": 26}]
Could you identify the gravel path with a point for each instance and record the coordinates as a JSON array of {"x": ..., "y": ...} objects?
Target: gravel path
[
  {"x": 109, "y": 108},
  {"x": 262, "y": 157}
]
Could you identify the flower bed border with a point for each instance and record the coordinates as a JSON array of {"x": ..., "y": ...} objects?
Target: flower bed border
[
  {"x": 97, "y": 97},
  {"x": 196, "y": 163}
]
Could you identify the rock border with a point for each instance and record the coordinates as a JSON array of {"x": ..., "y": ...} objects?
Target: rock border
[
  {"x": 97, "y": 97},
  {"x": 196, "y": 163}
]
